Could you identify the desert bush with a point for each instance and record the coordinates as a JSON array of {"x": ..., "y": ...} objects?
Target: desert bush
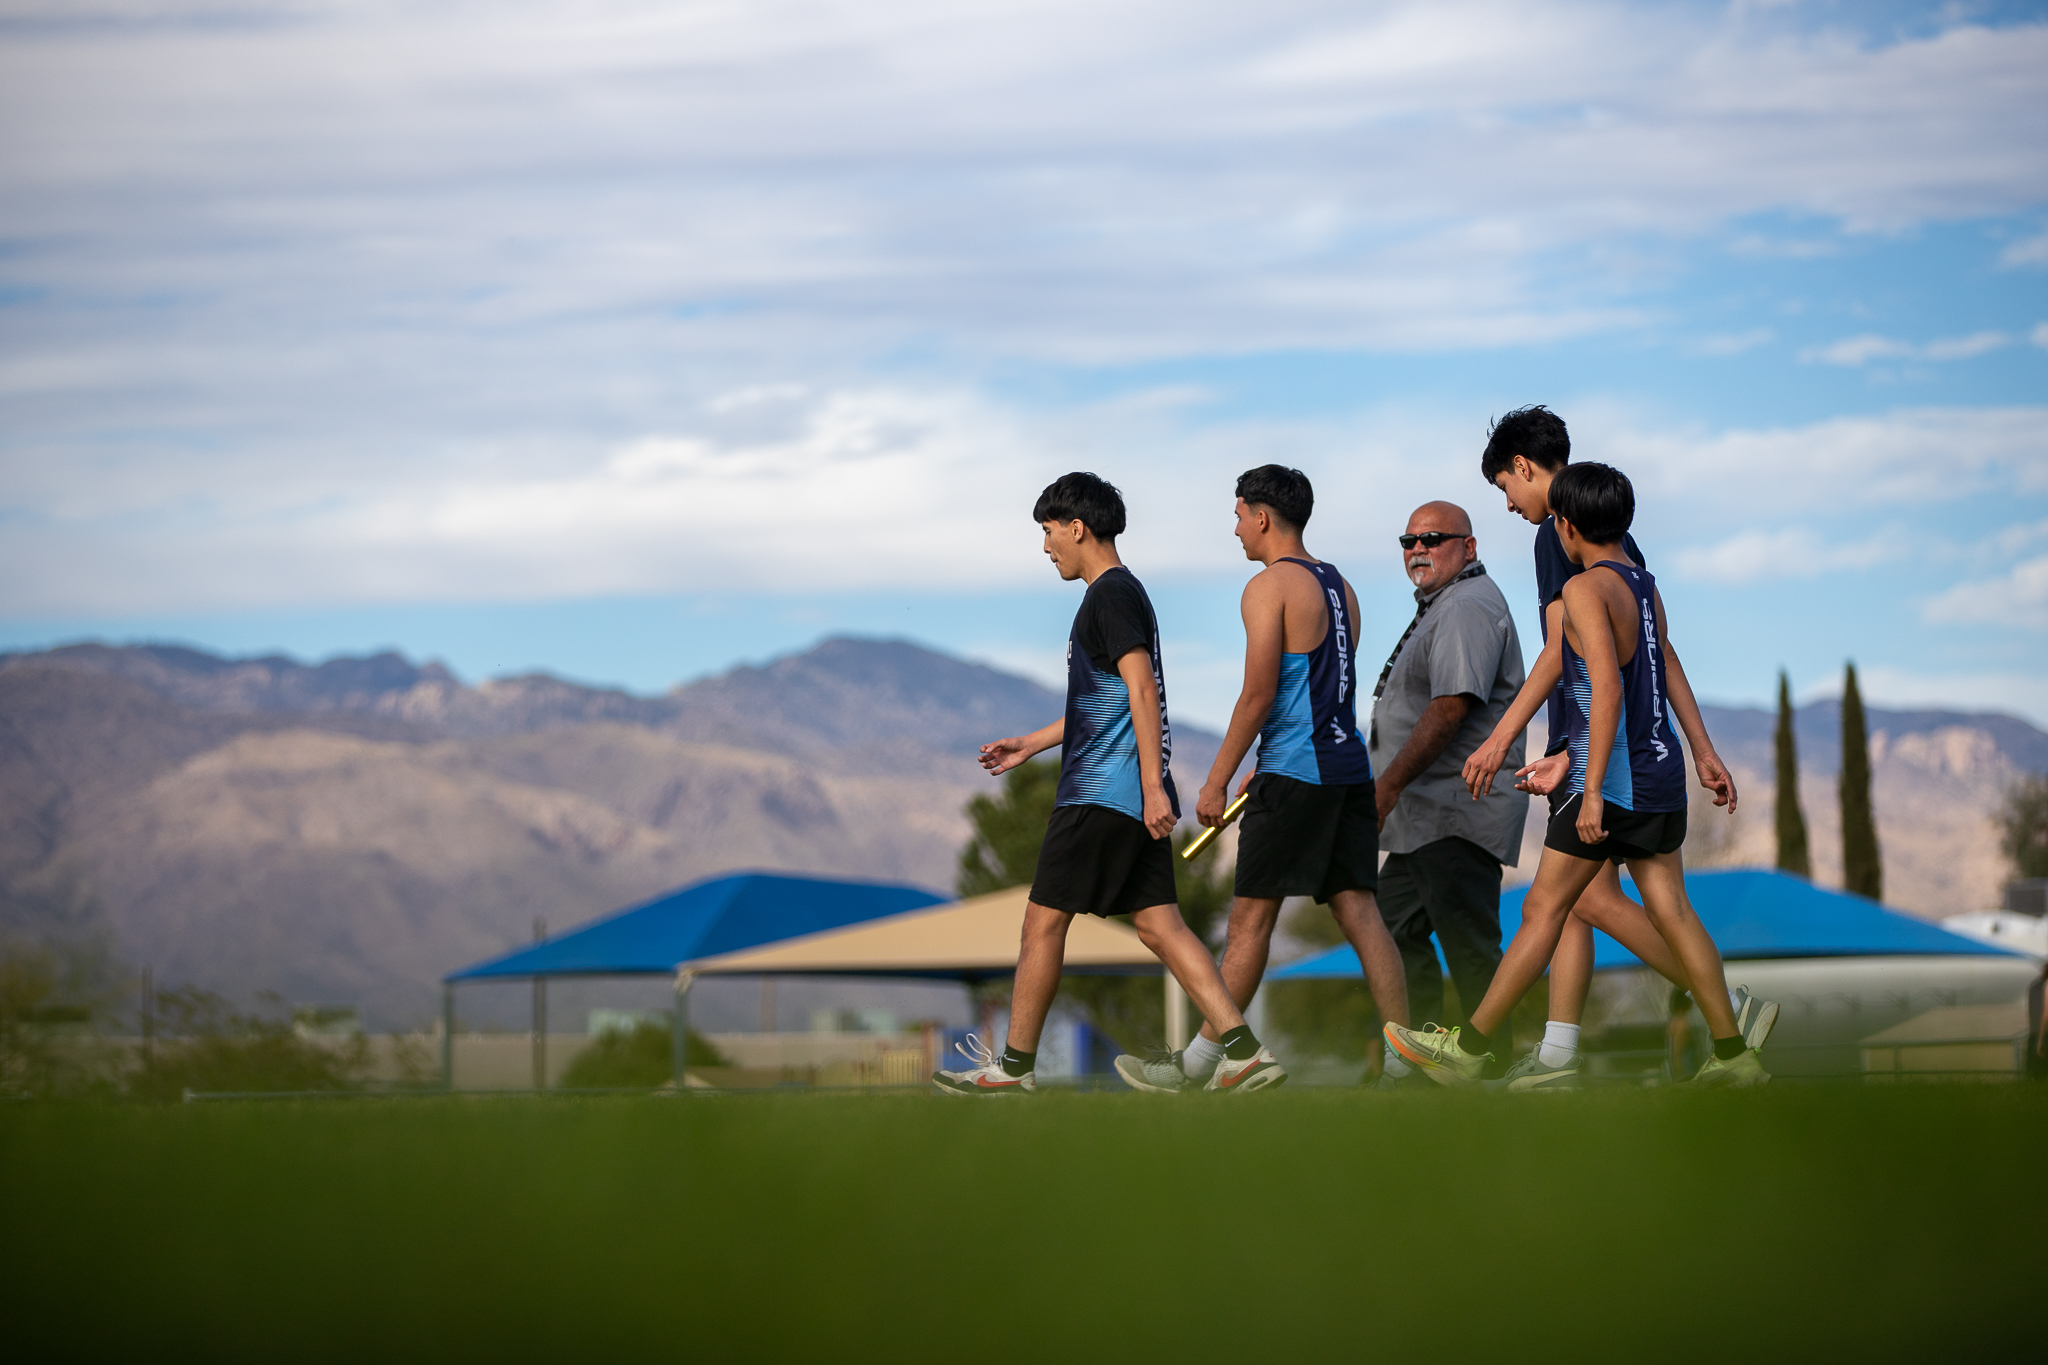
[
  {"x": 205, "y": 1044},
  {"x": 643, "y": 1056}
]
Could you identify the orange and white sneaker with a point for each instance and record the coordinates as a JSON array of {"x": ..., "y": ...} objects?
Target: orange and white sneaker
[
  {"x": 1256, "y": 1072},
  {"x": 986, "y": 1076}
]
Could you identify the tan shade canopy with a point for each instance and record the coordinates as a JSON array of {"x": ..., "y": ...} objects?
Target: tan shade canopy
[{"x": 966, "y": 939}]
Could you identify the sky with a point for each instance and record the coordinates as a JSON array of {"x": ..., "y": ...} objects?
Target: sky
[{"x": 629, "y": 341}]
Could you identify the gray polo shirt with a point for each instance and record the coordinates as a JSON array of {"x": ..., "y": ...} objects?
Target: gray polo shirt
[{"x": 1466, "y": 643}]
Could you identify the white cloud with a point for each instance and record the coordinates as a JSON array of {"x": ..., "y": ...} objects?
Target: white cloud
[
  {"x": 1734, "y": 343},
  {"x": 1908, "y": 457},
  {"x": 1861, "y": 350},
  {"x": 2027, "y": 251},
  {"x": 1793, "y": 552},
  {"x": 2017, "y": 599},
  {"x": 2039, "y": 336}
]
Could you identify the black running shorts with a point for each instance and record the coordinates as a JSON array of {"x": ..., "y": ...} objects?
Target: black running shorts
[
  {"x": 1630, "y": 833},
  {"x": 1098, "y": 861},
  {"x": 1303, "y": 839}
]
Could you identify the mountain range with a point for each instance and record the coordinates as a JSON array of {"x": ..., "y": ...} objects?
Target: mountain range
[{"x": 349, "y": 831}]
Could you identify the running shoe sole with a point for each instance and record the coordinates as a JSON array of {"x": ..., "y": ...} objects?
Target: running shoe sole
[
  {"x": 948, "y": 1088},
  {"x": 1766, "y": 1020}
]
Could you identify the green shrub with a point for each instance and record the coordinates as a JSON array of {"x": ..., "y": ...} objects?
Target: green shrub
[
  {"x": 621, "y": 1060},
  {"x": 205, "y": 1045}
]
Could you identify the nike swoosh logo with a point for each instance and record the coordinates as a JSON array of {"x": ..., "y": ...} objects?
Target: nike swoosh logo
[
  {"x": 987, "y": 1084},
  {"x": 1225, "y": 1085}
]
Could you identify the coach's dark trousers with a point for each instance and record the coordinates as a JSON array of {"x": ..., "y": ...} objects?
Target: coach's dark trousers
[{"x": 1450, "y": 888}]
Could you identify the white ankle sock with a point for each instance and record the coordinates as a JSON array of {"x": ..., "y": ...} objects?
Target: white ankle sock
[
  {"x": 1560, "y": 1044},
  {"x": 1201, "y": 1057},
  {"x": 1396, "y": 1065}
]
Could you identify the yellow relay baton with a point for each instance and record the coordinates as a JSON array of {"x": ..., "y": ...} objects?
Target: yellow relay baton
[{"x": 1208, "y": 836}]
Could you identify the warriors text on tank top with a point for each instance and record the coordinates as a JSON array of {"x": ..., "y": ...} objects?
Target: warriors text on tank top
[
  {"x": 1311, "y": 734},
  {"x": 1099, "y": 756},
  {"x": 1646, "y": 770}
]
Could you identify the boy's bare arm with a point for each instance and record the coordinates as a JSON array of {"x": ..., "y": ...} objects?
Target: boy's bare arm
[
  {"x": 999, "y": 756},
  {"x": 1136, "y": 669},
  {"x": 1586, "y": 615},
  {"x": 1714, "y": 774},
  {"x": 1264, "y": 641},
  {"x": 1487, "y": 759}
]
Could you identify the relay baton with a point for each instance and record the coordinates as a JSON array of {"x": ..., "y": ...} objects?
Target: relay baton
[{"x": 1207, "y": 836}]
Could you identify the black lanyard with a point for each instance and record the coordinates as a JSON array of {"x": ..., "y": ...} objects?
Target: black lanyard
[{"x": 1474, "y": 570}]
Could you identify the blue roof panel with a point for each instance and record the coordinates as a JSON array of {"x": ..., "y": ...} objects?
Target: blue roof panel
[
  {"x": 722, "y": 915},
  {"x": 1752, "y": 913}
]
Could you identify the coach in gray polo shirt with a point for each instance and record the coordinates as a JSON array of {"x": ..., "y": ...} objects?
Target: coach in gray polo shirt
[{"x": 1450, "y": 680}]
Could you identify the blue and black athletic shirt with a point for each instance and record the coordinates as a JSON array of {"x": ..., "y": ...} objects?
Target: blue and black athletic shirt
[
  {"x": 1646, "y": 771},
  {"x": 1099, "y": 757},
  {"x": 1311, "y": 734},
  {"x": 1554, "y": 568}
]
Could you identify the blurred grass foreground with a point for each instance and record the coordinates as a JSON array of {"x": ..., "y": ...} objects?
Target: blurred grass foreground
[{"x": 1819, "y": 1223}]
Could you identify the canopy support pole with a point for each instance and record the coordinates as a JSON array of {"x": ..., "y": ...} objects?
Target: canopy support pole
[
  {"x": 448, "y": 1036},
  {"x": 679, "y": 1043},
  {"x": 1177, "y": 1032}
]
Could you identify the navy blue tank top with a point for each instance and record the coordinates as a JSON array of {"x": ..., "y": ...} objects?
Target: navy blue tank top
[
  {"x": 1311, "y": 734},
  {"x": 1646, "y": 770},
  {"x": 1099, "y": 756}
]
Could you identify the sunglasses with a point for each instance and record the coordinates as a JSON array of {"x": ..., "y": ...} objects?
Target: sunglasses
[{"x": 1430, "y": 539}]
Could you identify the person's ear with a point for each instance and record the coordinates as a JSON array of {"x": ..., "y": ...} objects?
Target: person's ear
[{"x": 1524, "y": 470}]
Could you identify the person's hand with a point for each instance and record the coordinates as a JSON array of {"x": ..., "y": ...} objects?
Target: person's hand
[
  {"x": 1004, "y": 754},
  {"x": 1545, "y": 775},
  {"x": 1486, "y": 760},
  {"x": 1209, "y": 806},
  {"x": 1716, "y": 778},
  {"x": 1385, "y": 797},
  {"x": 1159, "y": 817},
  {"x": 1246, "y": 785},
  {"x": 1591, "y": 831}
]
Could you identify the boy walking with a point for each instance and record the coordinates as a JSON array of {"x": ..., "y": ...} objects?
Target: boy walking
[
  {"x": 1626, "y": 791},
  {"x": 1524, "y": 452},
  {"x": 1106, "y": 849},
  {"x": 1311, "y": 827}
]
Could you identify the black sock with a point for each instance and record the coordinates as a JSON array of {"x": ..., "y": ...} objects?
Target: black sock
[
  {"x": 1016, "y": 1063},
  {"x": 1239, "y": 1044},
  {"x": 1728, "y": 1049},
  {"x": 1473, "y": 1041}
]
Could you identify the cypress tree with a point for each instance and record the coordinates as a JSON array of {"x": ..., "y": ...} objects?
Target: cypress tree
[
  {"x": 1861, "y": 871},
  {"x": 1792, "y": 856}
]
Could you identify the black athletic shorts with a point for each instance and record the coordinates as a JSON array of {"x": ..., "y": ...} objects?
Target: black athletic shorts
[
  {"x": 1098, "y": 861},
  {"x": 1304, "y": 839},
  {"x": 1630, "y": 833}
]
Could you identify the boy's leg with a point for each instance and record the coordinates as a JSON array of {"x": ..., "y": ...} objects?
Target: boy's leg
[
  {"x": 1662, "y": 881},
  {"x": 1358, "y": 915},
  {"x": 1457, "y": 1058},
  {"x": 1172, "y": 942},
  {"x": 1249, "y": 943},
  {"x": 1571, "y": 972},
  {"x": 1605, "y": 907},
  {"x": 1040, "y": 956}
]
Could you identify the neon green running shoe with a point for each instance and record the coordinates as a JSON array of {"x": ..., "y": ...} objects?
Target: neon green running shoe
[
  {"x": 1436, "y": 1054},
  {"x": 1737, "y": 1073},
  {"x": 1531, "y": 1074}
]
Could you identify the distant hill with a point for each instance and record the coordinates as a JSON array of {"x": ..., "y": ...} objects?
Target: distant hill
[{"x": 353, "y": 829}]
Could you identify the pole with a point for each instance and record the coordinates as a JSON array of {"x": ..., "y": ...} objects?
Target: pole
[
  {"x": 448, "y": 1036},
  {"x": 679, "y": 1038},
  {"x": 540, "y": 1014},
  {"x": 1176, "y": 1014},
  {"x": 148, "y": 1018}
]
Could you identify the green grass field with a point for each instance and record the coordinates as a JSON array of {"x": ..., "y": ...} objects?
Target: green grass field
[{"x": 1819, "y": 1223}]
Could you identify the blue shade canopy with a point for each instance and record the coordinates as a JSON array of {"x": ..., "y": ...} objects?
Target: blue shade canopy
[
  {"x": 1751, "y": 914},
  {"x": 722, "y": 915}
]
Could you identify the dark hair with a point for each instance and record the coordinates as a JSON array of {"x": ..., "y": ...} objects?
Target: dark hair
[
  {"x": 1286, "y": 491},
  {"x": 1535, "y": 433},
  {"x": 1092, "y": 501},
  {"x": 1596, "y": 499}
]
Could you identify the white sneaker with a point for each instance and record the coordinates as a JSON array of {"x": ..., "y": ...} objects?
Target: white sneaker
[
  {"x": 1165, "y": 1074},
  {"x": 1754, "y": 1018},
  {"x": 986, "y": 1076},
  {"x": 1256, "y": 1072}
]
